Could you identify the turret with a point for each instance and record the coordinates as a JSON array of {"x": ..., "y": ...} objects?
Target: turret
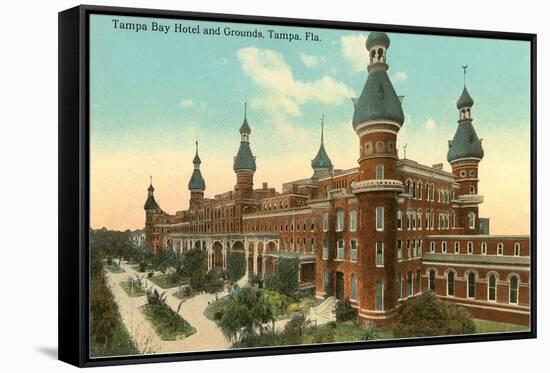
[
  {"x": 377, "y": 119},
  {"x": 196, "y": 183},
  {"x": 152, "y": 210},
  {"x": 244, "y": 164},
  {"x": 464, "y": 154},
  {"x": 321, "y": 164}
]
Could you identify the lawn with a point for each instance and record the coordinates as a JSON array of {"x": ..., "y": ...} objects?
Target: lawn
[
  {"x": 114, "y": 268},
  {"x": 485, "y": 326},
  {"x": 168, "y": 325},
  {"x": 166, "y": 281},
  {"x": 132, "y": 291},
  {"x": 121, "y": 343},
  {"x": 284, "y": 306}
]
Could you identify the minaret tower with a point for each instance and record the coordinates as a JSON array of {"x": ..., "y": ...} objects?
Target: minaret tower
[
  {"x": 152, "y": 210},
  {"x": 377, "y": 119},
  {"x": 244, "y": 164},
  {"x": 465, "y": 153},
  {"x": 196, "y": 184},
  {"x": 321, "y": 164}
]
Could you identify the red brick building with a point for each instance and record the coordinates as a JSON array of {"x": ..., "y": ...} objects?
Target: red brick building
[{"x": 376, "y": 234}]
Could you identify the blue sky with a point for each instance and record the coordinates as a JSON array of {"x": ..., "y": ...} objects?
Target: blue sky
[{"x": 153, "y": 94}]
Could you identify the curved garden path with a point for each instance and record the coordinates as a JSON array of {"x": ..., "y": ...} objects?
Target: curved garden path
[{"x": 207, "y": 337}]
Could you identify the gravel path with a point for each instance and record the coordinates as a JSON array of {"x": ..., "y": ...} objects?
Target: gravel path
[{"x": 207, "y": 337}]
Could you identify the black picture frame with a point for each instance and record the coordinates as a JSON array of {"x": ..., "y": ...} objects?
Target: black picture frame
[{"x": 74, "y": 191}]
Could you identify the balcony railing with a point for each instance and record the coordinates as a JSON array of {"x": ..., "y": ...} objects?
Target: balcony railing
[
  {"x": 377, "y": 185},
  {"x": 470, "y": 198}
]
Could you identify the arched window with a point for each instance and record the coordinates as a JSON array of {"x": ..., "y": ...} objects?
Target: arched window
[
  {"x": 451, "y": 283},
  {"x": 419, "y": 219},
  {"x": 472, "y": 220},
  {"x": 457, "y": 247},
  {"x": 379, "y": 171},
  {"x": 444, "y": 247},
  {"x": 470, "y": 247},
  {"x": 409, "y": 219},
  {"x": 492, "y": 287},
  {"x": 353, "y": 220},
  {"x": 353, "y": 295},
  {"x": 517, "y": 249},
  {"x": 514, "y": 287},
  {"x": 431, "y": 283},
  {"x": 399, "y": 249},
  {"x": 325, "y": 249},
  {"x": 500, "y": 248},
  {"x": 379, "y": 296},
  {"x": 471, "y": 285},
  {"x": 353, "y": 251},
  {"x": 419, "y": 190},
  {"x": 484, "y": 248},
  {"x": 399, "y": 286},
  {"x": 472, "y": 189},
  {"x": 341, "y": 251},
  {"x": 339, "y": 220},
  {"x": 418, "y": 282},
  {"x": 432, "y": 247}
]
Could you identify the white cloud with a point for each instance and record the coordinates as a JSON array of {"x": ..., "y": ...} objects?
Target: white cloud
[
  {"x": 354, "y": 50},
  {"x": 187, "y": 103},
  {"x": 400, "y": 76},
  {"x": 430, "y": 124},
  {"x": 309, "y": 60},
  {"x": 282, "y": 94}
]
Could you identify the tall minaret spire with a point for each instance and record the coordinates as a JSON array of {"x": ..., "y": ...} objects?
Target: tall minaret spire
[
  {"x": 322, "y": 127},
  {"x": 321, "y": 164},
  {"x": 465, "y": 67}
]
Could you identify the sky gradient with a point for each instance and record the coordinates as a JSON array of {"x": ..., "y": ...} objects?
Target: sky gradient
[{"x": 153, "y": 94}]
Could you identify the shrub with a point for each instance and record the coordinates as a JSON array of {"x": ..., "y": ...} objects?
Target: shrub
[
  {"x": 236, "y": 266},
  {"x": 345, "y": 312},
  {"x": 150, "y": 274},
  {"x": 294, "y": 329},
  {"x": 256, "y": 280},
  {"x": 323, "y": 334},
  {"x": 142, "y": 266},
  {"x": 368, "y": 332},
  {"x": 425, "y": 315}
]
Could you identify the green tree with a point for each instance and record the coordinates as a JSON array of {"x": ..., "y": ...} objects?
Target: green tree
[
  {"x": 236, "y": 266},
  {"x": 425, "y": 315},
  {"x": 285, "y": 276},
  {"x": 247, "y": 310}
]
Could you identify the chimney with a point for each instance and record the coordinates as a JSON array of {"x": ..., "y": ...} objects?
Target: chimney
[
  {"x": 264, "y": 185},
  {"x": 438, "y": 166}
]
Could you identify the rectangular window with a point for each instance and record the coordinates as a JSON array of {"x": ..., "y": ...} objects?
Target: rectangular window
[
  {"x": 353, "y": 221},
  {"x": 379, "y": 254},
  {"x": 409, "y": 284},
  {"x": 431, "y": 285},
  {"x": 326, "y": 282},
  {"x": 353, "y": 253},
  {"x": 340, "y": 250},
  {"x": 379, "y": 171},
  {"x": 353, "y": 288},
  {"x": 325, "y": 222},
  {"x": 399, "y": 219},
  {"x": 379, "y": 218},
  {"x": 399, "y": 250},
  {"x": 399, "y": 286},
  {"x": 325, "y": 249},
  {"x": 379, "y": 296},
  {"x": 414, "y": 249},
  {"x": 418, "y": 284}
]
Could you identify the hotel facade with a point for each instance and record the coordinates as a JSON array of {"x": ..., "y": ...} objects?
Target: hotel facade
[{"x": 374, "y": 235}]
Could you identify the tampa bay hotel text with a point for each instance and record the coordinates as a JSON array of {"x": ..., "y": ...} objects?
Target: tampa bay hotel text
[{"x": 374, "y": 235}]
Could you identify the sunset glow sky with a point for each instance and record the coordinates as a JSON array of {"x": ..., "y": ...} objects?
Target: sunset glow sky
[{"x": 153, "y": 94}]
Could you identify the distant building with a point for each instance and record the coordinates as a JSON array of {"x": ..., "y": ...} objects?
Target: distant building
[
  {"x": 375, "y": 234},
  {"x": 484, "y": 225},
  {"x": 138, "y": 238}
]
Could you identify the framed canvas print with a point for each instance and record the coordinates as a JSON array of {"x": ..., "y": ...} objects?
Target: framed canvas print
[{"x": 234, "y": 186}]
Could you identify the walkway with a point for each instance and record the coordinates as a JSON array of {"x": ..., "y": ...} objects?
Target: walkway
[{"x": 207, "y": 337}]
